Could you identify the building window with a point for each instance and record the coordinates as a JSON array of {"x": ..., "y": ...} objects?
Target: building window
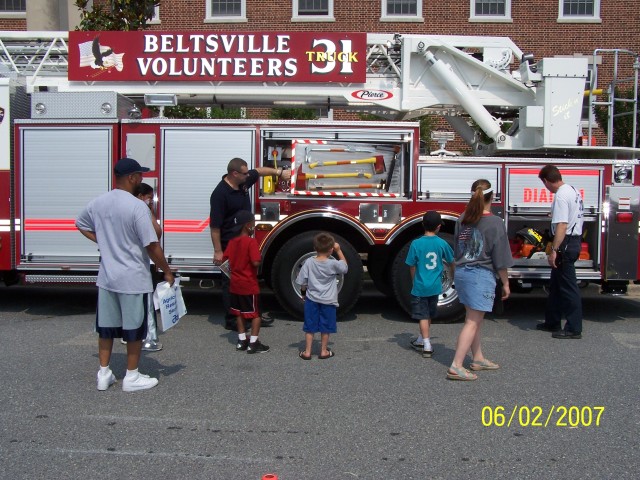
[
  {"x": 155, "y": 20},
  {"x": 402, "y": 10},
  {"x": 579, "y": 11},
  {"x": 226, "y": 11},
  {"x": 490, "y": 11},
  {"x": 13, "y": 6},
  {"x": 313, "y": 7},
  {"x": 402, "y": 7},
  {"x": 312, "y": 10}
]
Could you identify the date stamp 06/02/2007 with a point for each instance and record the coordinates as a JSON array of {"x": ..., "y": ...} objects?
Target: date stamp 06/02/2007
[{"x": 537, "y": 416}]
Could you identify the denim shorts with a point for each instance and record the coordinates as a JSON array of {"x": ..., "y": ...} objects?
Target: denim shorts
[
  {"x": 424, "y": 308},
  {"x": 476, "y": 287}
]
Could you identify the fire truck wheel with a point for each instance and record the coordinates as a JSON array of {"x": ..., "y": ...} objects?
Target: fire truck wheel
[
  {"x": 288, "y": 262},
  {"x": 449, "y": 307}
]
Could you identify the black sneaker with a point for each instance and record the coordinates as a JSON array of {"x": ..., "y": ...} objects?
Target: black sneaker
[
  {"x": 242, "y": 345},
  {"x": 257, "y": 347},
  {"x": 567, "y": 334}
]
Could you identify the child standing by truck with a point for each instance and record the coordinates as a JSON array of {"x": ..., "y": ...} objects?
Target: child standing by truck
[
  {"x": 244, "y": 258},
  {"x": 317, "y": 278},
  {"x": 425, "y": 259}
]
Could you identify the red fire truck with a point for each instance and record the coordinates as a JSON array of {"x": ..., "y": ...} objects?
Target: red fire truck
[{"x": 70, "y": 106}]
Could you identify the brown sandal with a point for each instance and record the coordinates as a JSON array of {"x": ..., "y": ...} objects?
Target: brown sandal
[
  {"x": 484, "y": 365},
  {"x": 303, "y": 356},
  {"x": 328, "y": 355}
]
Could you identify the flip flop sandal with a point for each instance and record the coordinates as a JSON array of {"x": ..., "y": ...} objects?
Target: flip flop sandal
[
  {"x": 329, "y": 355},
  {"x": 460, "y": 374},
  {"x": 303, "y": 356},
  {"x": 484, "y": 365}
]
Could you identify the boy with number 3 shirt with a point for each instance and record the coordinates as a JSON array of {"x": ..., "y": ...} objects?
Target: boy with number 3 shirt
[{"x": 425, "y": 259}]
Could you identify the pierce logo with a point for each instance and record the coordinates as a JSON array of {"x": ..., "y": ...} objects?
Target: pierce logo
[{"x": 372, "y": 94}]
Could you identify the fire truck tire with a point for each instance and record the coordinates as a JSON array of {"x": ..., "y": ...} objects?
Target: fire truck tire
[
  {"x": 449, "y": 307},
  {"x": 288, "y": 262}
]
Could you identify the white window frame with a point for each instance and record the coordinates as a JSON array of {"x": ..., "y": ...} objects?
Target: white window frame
[
  {"x": 595, "y": 18},
  {"x": 9, "y": 15},
  {"x": 401, "y": 18},
  {"x": 506, "y": 18},
  {"x": 296, "y": 17},
  {"x": 242, "y": 18},
  {"x": 155, "y": 20}
]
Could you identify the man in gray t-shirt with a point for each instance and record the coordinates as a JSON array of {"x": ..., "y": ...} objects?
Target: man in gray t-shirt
[{"x": 121, "y": 225}]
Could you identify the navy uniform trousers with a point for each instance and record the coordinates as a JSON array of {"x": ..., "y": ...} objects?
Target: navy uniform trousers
[{"x": 564, "y": 294}]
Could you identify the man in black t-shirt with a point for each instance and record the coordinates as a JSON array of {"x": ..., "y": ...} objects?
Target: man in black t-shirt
[{"x": 229, "y": 197}]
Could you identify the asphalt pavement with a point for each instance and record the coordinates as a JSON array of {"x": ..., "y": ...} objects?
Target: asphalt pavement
[{"x": 560, "y": 409}]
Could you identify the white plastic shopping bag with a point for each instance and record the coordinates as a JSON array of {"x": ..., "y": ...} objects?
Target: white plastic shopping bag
[{"x": 168, "y": 299}]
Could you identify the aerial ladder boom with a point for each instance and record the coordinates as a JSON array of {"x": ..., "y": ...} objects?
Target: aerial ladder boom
[{"x": 459, "y": 77}]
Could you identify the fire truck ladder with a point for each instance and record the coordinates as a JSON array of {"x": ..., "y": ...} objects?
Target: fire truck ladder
[
  {"x": 33, "y": 55},
  {"x": 623, "y": 62}
]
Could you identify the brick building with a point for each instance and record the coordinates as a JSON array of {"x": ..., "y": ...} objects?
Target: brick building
[{"x": 543, "y": 27}]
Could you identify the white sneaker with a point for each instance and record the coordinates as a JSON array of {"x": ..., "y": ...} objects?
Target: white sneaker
[
  {"x": 151, "y": 346},
  {"x": 138, "y": 382},
  {"x": 416, "y": 345},
  {"x": 106, "y": 380}
]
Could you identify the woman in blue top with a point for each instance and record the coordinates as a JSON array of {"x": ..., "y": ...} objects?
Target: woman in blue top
[{"x": 481, "y": 251}]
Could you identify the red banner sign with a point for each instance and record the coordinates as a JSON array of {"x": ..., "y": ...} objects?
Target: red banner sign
[{"x": 217, "y": 56}]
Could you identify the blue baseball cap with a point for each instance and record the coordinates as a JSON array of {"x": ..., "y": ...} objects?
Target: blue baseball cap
[{"x": 127, "y": 166}]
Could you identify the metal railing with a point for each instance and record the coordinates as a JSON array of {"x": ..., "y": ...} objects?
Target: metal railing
[{"x": 625, "y": 66}]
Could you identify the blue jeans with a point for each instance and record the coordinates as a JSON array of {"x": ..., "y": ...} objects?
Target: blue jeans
[{"x": 564, "y": 294}]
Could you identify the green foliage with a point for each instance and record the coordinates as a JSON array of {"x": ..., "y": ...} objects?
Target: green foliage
[
  {"x": 622, "y": 125},
  {"x": 294, "y": 114},
  {"x": 120, "y": 15},
  {"x": 190, "y": 111},
  {"x": 427, "y": 123}
]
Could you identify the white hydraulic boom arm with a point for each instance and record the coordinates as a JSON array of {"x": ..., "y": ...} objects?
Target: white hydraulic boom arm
[{"x": 454, "y": 76}]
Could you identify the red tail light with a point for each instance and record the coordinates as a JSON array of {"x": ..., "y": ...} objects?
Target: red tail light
[{"x": 624, "y": 217}]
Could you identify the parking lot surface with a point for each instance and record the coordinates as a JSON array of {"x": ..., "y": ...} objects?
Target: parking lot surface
[{"x": 377, "y": 410}]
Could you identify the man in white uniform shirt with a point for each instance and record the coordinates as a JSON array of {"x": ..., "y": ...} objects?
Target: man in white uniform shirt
[{"x": 566, "y": 227}]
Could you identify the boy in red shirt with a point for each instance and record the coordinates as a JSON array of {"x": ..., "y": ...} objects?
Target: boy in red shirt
[{"x": 244, "y": 258}]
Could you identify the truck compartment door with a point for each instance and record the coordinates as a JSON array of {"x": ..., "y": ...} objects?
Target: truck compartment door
[
  {"x": 453, "y": 182},
  {"x": 194, "y": 161},
  {"x": 529, "y": 206},
  {"x": 621, "y": 224},
  {"x": 61, "y": 170}
]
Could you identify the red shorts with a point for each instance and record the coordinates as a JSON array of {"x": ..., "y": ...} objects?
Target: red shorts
[{"x": 245, "y": 306}]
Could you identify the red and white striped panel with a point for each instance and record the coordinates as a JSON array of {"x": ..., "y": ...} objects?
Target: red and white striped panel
[{"x": 309, "y": 193}]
